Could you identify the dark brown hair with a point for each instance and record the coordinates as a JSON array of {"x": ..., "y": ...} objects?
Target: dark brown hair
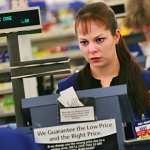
[
  {"x": 137, "y": 13},
  {"x": 101, "y": 14}
]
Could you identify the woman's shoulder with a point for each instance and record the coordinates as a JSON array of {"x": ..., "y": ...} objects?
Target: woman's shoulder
[
  {"x": 17, "y": 139},
  {"x": 146, "y": 77},
  {"x": 135, "y": 49},
  {"x": 146, "y": 74},
  {"x": 67, "y": 82}
]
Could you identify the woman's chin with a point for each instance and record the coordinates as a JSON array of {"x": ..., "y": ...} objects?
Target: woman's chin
[{"x": 101, "y": 65}]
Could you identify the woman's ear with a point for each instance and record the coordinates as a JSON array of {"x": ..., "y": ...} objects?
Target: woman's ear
[{"x": 117, "y": 36}]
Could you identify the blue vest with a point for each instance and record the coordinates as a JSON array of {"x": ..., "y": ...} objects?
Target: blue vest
[{"x": 70, "y": 81}]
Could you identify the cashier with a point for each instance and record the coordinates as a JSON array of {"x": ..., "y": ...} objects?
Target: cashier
[{"x": 109, "y": 61}]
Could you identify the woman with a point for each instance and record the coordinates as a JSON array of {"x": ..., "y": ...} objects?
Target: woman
[
  {"x": 17, "y": 139},
  {"x": 108, "y": 60},
  {"x": 138, "y": 20}
]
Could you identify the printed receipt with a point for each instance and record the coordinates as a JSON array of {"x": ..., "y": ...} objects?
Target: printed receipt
[{"x": 69, "y": 98}]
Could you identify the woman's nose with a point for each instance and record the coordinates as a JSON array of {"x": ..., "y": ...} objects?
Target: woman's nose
[{"x": 92, "y": 48}]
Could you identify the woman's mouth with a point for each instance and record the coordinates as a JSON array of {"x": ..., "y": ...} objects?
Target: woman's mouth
[{"x": 96, "y": 59}]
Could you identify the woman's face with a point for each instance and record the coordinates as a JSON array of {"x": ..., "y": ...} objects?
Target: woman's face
[{"x": 98, "y": 45}]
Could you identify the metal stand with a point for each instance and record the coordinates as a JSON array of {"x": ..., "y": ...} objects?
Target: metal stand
[
  {"x": 18, "y": 88},
  {"x": 20, "y": 70}
]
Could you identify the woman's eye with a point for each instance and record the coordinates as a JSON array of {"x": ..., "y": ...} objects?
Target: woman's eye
[
  {"x": 84, "y": 43},
  {"x": 100, "y": 40}
]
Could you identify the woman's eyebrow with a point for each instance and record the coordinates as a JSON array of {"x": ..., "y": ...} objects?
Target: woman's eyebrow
[
  {"x": 99, "y": 36},
  {"x": 80, "y": 38}
]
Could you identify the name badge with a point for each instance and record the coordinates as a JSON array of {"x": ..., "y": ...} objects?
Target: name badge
[{"x": 141, "y": 128}]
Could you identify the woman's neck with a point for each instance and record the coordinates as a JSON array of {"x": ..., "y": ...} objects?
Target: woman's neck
[{"x": 105, "y": 72}]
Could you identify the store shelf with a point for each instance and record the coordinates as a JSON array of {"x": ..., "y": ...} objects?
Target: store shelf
[
  {"x": 7, "y": 91},
  {"x": 72, "y": 54},
  {"x": 3, "y": 42},
  {"x": 39, "y": 37},
  {"x": 4, "y": 67},
  {"x": 7, "y": 70},
  {"x": 52, "y": 35},
  {"x": 3, "y": 115}
]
